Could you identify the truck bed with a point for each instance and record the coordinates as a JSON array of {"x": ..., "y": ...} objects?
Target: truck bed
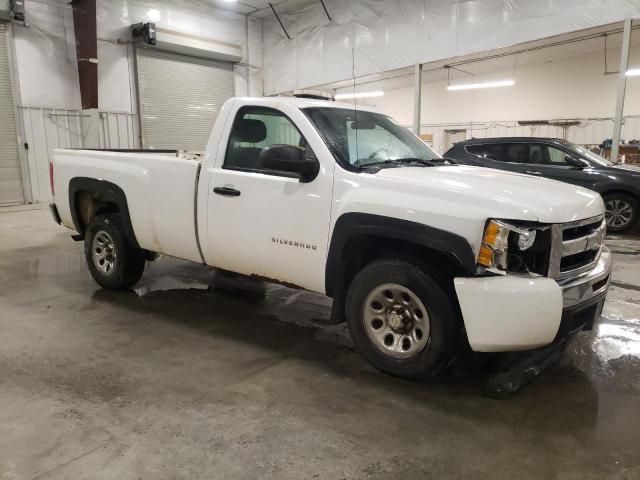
[{"x": 159, "y": 188}]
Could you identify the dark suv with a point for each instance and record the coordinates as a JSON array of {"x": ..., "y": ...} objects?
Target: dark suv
[{"x": 558, "y": 159}]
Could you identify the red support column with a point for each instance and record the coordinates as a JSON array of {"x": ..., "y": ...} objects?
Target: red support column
[{"x": 84, "y": 25}]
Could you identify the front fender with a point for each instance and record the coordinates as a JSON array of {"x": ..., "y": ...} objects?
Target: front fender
[{"x": 354, "y": 224}]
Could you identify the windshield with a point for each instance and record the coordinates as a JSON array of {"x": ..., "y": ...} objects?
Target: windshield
[
  {"x": 360, "y": 138},
  {"x": 589, "y": 155}
]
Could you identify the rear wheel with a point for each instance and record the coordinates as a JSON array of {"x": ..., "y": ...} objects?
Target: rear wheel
[
  {"x": 621, "y": 212},
  {"x": 112, "y": 261},
  {"x": 401, "y": 319}
]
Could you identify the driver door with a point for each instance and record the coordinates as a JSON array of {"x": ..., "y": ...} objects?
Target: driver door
[{"x": 264, "y": 222}]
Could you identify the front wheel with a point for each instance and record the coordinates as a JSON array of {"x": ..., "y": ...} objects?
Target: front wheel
[
  {"x": 621, "y": 212},
  {"x": 112, "y": 261},
  {"x": 401, "y": 320}
]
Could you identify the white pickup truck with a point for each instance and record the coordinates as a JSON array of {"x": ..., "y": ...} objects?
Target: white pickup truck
[{"x": 421, "y": 256}]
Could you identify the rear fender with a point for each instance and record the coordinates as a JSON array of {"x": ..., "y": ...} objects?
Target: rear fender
[{"x": 104, "y": 192}]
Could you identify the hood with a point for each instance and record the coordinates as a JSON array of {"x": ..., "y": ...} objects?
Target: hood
[
  {"x": 632, "y": 170},
  {"x": 502, "y": 194}
]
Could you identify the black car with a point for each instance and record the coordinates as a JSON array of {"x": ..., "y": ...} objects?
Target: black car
[{"x": 558, "y": 159}]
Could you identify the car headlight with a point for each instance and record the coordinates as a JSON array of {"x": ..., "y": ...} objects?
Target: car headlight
[{"x": 514, "y": 248}]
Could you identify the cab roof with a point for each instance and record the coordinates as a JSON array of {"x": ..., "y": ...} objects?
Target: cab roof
[{"x": 305, "y": 103}]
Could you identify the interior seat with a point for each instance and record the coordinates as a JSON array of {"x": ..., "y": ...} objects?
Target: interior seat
[
  {"x": 536, "y": 157},
  {"x": 246, "y": 130}
]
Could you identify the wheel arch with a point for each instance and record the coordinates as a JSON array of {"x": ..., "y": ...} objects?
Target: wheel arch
[
  {"x": 89, "y": 197},
  {"x": 359, "y": 236},
  {"x": 620, "y": 190}
]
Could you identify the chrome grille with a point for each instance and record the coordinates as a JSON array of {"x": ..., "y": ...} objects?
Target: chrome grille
[{"x": 575, "y": 247}]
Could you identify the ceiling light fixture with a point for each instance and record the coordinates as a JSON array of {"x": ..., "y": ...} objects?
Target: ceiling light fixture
[
  {"x": 469, "y": 86},
  {"x": 633, "y": 72},
  {"x": 344, "y": 96}
]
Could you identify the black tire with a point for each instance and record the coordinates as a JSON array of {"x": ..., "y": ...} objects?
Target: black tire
[
  {"x": 436, "y": 355},
  {"x": 127, "y": 261},
  {"x": 622, "y": 199}
]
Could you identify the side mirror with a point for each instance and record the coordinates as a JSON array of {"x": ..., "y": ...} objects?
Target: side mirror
[
  {"x": 290, "y": 159},
  {"x": 575, "y": 162}
]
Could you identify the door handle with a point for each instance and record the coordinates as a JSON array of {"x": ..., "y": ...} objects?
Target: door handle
[
  {"x": 533, "y": 172},
  {"x": 227, "y": 191}
]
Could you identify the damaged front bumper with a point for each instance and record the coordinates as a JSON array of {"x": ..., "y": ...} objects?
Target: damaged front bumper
[{"x": 517, "y": 312}]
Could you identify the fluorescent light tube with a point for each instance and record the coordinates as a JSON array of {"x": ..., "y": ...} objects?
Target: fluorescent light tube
[
  {"x": 633, "y": 72},
  {"x": 469, "y": 86},
  {"x": 343, "y": 96}
]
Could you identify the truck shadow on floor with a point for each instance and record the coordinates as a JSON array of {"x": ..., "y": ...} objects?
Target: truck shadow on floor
[{"x": 294, "y": 325}]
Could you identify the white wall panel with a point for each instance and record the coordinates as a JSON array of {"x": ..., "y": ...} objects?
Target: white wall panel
[
  {"x": 567, "y": 88},
  {"x": 114, "y": 77},
  {"x": 45, "y": 58},
  {"x": 589, "y": 132},
  {"x": 46, "y": 129},
  {"x": 48, "y": 80},
  {"x": 254, "y": 56},
  {"x": 119, "y": 130},
  {"x": 398, "y": 33}
]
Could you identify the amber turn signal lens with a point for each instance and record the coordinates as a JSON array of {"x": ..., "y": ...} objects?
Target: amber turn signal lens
[
  {"x": 490, "y": 233},
  {"x": 485, "y": 256}
]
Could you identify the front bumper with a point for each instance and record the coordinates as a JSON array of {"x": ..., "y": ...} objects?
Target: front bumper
[{"x": 515, "y": 312}]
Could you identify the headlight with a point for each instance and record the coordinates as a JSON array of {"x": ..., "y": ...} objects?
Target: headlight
[{"x": 508, "y": 247}]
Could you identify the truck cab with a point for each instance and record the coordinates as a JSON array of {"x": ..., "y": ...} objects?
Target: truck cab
[{"x": 419, "y": 254}]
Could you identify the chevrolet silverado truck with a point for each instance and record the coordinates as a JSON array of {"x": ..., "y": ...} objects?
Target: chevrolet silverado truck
[{"x": 422, "y": 257}]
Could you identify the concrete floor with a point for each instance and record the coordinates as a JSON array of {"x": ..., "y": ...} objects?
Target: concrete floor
[{"x": 186, "y": 383}]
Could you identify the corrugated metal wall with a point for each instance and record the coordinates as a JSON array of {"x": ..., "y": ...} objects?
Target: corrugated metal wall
[
  {"x": 46, "y": 129},
  {"x": 589, "y": 132},
  {"x": 11, "y": 191}
]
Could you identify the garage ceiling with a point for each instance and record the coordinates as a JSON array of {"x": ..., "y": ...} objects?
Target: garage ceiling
[{"x": 259, "y": 8}]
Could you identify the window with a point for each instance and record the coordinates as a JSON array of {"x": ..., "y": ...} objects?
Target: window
[
  {"x": 557, "y": 156},
  {"x": 360, "y": 138},
  {"x": 493, "y": 152},
  {"x": 479, "y": 150},
  {"x": 542, "y": 154},
  {"x": 255, "y": 129},
  {"x": 582, "y": 152},
  {"x": 516, "y": 152},
  {"x": 375, "y": 143}
]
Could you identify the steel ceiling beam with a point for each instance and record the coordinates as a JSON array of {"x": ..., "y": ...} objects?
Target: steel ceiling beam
[{"x": 279, "y": 21}]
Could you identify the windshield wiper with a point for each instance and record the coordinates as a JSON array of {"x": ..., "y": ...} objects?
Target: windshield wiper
[{"x": 407, "y": 160}]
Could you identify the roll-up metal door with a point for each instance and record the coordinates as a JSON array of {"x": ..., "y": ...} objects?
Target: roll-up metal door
[
  {"x": 180, "y": 97},
  {"x": 11, "y": 191}
]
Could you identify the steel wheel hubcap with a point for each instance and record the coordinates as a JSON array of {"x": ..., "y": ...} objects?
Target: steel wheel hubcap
[
  {"x": 618, "y": 213},
  {"x": 103, "y": 252},
  {"x": 396, "y": 321}
]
